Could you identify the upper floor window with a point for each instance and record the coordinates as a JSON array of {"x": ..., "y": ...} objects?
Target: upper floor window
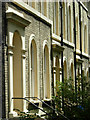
[
  {"x": 55, "y": 20},
  {"x": 77, "y": 34},
  {"x": 64, "y": 27},
  {"x": 70, "y": 29},
  {"x": 44, "y": 7},
  {"x": 85, "y": 39},
  {"x": 82, "y": 36},
  {"x": 33, "y": 4}
]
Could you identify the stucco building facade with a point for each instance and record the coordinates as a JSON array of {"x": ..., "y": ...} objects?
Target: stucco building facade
[{"x": 42, "y": 42}]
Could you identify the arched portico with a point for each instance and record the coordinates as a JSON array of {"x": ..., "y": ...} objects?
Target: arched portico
[{"x": 16, "y": 61}]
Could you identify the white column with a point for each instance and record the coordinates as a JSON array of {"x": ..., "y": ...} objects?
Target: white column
[
  {"x": 11, "y": 80},
  {"x": 10, "y": 58},
  {"x": 54, "y": 60},
  {"x": 54, "y": 72},
  {"x": 54, "y": 76},
  {"x": 61, "y": 68},
  {"x": 60, "y": 76},
  {"x": 24, "y": 77}
]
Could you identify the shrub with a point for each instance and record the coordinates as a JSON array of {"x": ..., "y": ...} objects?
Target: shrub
[
  {"x": 26, "y": 116},
  {"x": 74, "y": 104}
]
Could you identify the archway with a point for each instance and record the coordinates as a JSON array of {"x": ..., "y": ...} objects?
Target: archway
[{"x": 17, "y": 71}]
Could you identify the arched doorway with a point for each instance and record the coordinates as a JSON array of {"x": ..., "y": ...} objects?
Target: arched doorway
[{"x": 17, "y": 71}]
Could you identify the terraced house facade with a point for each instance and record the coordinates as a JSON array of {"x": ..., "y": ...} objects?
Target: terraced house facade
[{"x": 41, "y": 43}]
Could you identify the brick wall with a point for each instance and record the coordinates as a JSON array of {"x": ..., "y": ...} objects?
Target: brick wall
[
  {"x": 0, "y": 59},
  {"x": 42, "y": 32}
]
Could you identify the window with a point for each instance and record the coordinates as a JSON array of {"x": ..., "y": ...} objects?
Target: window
[
  {"x": 64, "y": 20},
  {"x": 46, "y": 74},
  {"x": 59, "y": 25},
  {"x": 33, "y": 4},
  {"x": 70, "y": 29},
  {"x": 44, "y": 8},
  {"x": 85, "y": 39},
  {"x": 82, "y": 36},
  {"x": 55, "y": 27},
  {"x": 67, "y": 20},
  {"x": 34, "y": 83},
  {"x": 77, "y": 34}
]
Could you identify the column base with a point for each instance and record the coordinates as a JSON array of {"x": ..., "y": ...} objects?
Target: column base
[
  {"x": 13, "y": 114},
  {"x": 40, "y": 112},
  {"x": 26, "y": 111}
]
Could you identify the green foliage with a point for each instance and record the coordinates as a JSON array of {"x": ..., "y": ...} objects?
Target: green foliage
[
  {"x": 26, "y": 115},
  {"x": 74, "y": 103}
]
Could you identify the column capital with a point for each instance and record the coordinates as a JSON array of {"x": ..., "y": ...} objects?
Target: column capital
[
  {"x": 23, "y": 53},
  {"x": 10, "y": 49}
]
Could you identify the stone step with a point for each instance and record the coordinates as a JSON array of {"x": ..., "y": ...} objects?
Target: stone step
[{"x": 16, "y": 118}]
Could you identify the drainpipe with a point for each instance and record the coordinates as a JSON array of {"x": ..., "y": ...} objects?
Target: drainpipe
[
  {"x": 80, "y": 31},
  {"x": 61, "y": 9},
  {"x": 80, "y": 43},
  {"x": 74, "y": 20},
  {"x": 53, "y": 104}
]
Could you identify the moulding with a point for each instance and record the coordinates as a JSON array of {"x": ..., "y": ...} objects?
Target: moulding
[
  {"x": 85, "y": 55},
  {"x": 13, "y": 17},
  {"x": 78, "y": 59},
  {"x": 57, "y": 47},
  {"x": 32, "y": 10}
]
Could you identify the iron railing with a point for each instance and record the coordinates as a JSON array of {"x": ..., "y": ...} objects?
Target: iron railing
[{"x": 59, "y": 114}]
